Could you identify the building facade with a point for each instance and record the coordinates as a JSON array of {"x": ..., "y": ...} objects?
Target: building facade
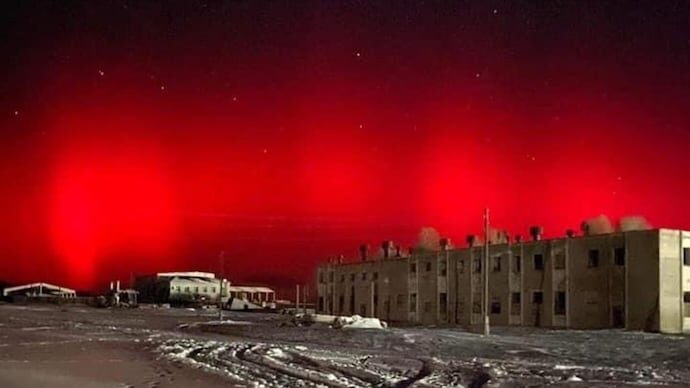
[
  {"x": 639, "y": 280},
  {"x": 181, "y": 288}
]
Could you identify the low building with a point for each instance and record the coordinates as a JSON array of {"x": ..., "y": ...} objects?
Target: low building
[
  {"x": 181, "y": 288},
  {"x": 639, "y": 280},
  {"x": 39, "y": 290},
  {"x": 251, "y": 298}
]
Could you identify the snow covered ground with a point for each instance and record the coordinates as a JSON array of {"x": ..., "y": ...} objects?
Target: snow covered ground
[{"x": 169, "y": 347}]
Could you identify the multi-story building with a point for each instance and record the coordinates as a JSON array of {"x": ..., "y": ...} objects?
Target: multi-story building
[
  {"x": 638, "y": 280},
  {"x": 180, "y": 287}
]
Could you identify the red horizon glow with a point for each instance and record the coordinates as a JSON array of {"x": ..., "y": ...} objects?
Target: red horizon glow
[{"x": 137, "y": 154}]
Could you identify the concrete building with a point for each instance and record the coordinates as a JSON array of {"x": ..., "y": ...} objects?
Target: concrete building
[
  {"x": 639, "y": 280},
  {"x": 251, "y": 298},
  {"x": 180, "y": 287}
]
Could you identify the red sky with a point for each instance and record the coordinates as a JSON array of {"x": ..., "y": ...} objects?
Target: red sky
[{"x": 152, "y": 137}]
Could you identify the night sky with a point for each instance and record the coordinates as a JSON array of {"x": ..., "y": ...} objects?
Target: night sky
[{"x": 145, "y": 136}]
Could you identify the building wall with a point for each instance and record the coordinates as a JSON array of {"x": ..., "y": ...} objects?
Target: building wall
[{"x": 590, "y": 282}]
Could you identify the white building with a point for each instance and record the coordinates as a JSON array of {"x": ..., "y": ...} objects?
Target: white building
[
  {"x": 181, "y": 287},
  {"x": 40, "y": 290}
]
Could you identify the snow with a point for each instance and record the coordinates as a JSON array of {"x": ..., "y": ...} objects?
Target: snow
[{"x": 358, "y": 322}]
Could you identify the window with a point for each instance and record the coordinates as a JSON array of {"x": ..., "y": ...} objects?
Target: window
[
  {"x": 400, "y": 299},
  {"x": 428, "y": 267},
  {"x": 205, "y": 290},
  {"x": 364, "y": 276},
  {"x": 517, "y": 263},
  {"x": 559, "y": 261},
  {"x": 559, "y": 303},
  {"x": 539, "y": 262},
  {"x": 495, "y": 307},
  {"x": 363, "y": 310},
  {"x": 443, "y": 302},
  {"x": 331, "y": 276},
  {"x": 213, "y": 290},
  {"x": 442, "y": 268},
  {"x": 342, "y": 278},
  {"x": 196, "y": 290},
  {"x": 477, "y": 265},
  {"x": 321, "y": 278},
  {"x": 686, "y": 301},
  {"x": 496, "y": 264},
  {"x": 341, "y": 303},
  {"x": 413, "y": 303},
  {"x": 537, "y": 297},
  {"x": 477, "y": 307},
  {"x": 413, "y": 267},
  {"x": 619, "y": 256},
  {"x": 352, "y": 277},
  {"x": 593, "y": 258},
  {"x": 461, "y": 266},
  {"x": 515, "y": 298},
  {"x": 686, "y": 256},
  {"x": 376, "y": 276}
]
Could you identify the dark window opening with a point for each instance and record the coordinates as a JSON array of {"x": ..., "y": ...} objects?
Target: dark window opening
[
  {"x": 413, "y": 267},
  {"x": 352, "y": 277},
  {"x": 619, "y": 256},
  {"x": 443, "y": 302},
  {"x": 686, "y": 256},
  {"x": 461, "y": 266},
  {"x": 342, "y": 278},
  {"x": 497, "y": 264},
  {"x": 376, "y": 275},
  {"x": 517, "y": 267},
  {"x": 341, "y": 304},
  {"x": 477, "y": 265},
  {"x": 559, "y": 261},
  {"x": 539, "y": 262},
  {"x": 495, "y": 307},
  {"x": 428, "y": 267},
  {"x": 559, "y": 303},
  {"x": 537, "y": 297},
  {"x": 593, "y": 258},
  {"x": 442, "y": 268},
  {"x": 363, "y": 310},
  {"x": 413, "y": 303},
  {"x": 364, "y": 276},
  {"x": 515, "y": 298}
]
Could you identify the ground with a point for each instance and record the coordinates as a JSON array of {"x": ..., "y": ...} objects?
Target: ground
[{"x": 68, "y": 346}]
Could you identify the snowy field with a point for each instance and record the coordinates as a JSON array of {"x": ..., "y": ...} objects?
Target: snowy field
[{"x": 80, "y": 346}]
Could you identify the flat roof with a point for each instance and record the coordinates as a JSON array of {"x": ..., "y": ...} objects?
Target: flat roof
[
  {"x": 249, "y": 289},
  {"x": 189, "y": 274}
]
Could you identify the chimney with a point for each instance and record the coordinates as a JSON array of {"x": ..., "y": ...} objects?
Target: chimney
[
  {"x": 387, "y": 247},
  {"x": 112, "y": 286},
  {"x": 117, "y": 286},
  {"x": 363, "y": 252},
  {"x": 570, "y": 233},
  {"x": 398, "y": 252},
  {"x": 536, "y": 232},
  {"x": 470, "y": 239},
  {"x": 584, "y": 227},
  {"x": 518, "y": 238},
  {"x": 445, "y": 243},
  {"x": 341, "y": 258}
]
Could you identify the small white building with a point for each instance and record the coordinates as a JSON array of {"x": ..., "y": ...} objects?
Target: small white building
[
  {"x": 251, "y": 297},
  {"x": 40, "y": 290}
]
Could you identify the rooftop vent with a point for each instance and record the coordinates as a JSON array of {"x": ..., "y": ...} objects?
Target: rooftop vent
[
  {"x": 535, "y": 232},
  {"x": 364, "y": 252},
  {"x": 570, "y": 233},
  {"x": 445, "y": 243},
  {"x": 471, "y": 240},
  {"x": 387, "y": 248}
]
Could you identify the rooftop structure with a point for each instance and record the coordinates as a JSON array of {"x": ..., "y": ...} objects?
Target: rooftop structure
[{"x": 40, "y": 290}]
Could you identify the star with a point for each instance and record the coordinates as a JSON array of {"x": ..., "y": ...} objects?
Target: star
[
  {"x": 358, "y": 54},
  {"x": 16, "y": 113},
  {"x": 495, "y": 11},
  {"x": 101, "y": 73},
  {"x": 265, "y": 150},
  {"x": 234, "y": 98},
  {"x": 361, "y": 126},
  {"x": 477, "y": 75},
  {"x": 162, "y": 87}
]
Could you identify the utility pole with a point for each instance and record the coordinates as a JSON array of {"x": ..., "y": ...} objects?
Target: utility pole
[
  {"x": 221, "y": 256},
  {"x": 486, "y": 271}
]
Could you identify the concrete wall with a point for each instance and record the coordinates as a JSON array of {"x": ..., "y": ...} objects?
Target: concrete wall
[{"x": 622, "y": 289}]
